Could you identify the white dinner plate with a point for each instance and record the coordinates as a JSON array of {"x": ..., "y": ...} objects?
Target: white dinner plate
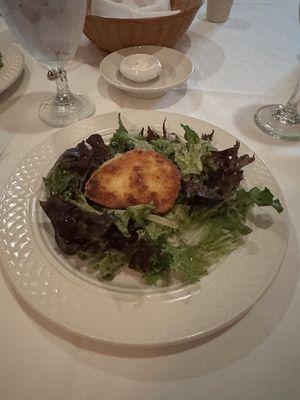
[
  {"x": 124, "y": 311},
  {"x": 13, "y": 64},
  {"x": 176, "y": 68}
]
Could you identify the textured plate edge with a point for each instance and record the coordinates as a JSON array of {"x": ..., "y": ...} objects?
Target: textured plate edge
[{"x": 21, "y": 69}]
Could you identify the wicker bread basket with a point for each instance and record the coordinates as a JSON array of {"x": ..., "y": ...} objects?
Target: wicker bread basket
[{"x": 111, "y": 34}]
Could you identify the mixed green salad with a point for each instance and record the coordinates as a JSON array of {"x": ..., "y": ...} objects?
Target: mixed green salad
[{"x": 207, "y": 222}]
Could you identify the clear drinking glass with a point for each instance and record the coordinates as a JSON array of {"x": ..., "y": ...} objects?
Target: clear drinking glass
[
  {"x": 281, "y": 121},
  {"x": 50, "y": 30}
]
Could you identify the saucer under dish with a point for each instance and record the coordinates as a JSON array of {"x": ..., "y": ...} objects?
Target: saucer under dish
[{"x": 176, "y": 68}]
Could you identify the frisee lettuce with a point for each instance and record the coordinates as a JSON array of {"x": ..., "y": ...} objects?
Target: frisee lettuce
[{"x": 108, "y": 265}]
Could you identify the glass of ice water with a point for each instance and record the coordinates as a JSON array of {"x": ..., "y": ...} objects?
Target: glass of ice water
[{"x": 50, "y": 30}]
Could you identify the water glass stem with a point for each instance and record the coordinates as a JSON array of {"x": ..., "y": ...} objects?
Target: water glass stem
[
  {"x": 63, "y": 93},
  {"x": 289, "y": 113}
]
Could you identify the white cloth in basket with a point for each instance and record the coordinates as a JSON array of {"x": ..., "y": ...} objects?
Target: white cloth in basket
[{"x": 132, "y": 8}]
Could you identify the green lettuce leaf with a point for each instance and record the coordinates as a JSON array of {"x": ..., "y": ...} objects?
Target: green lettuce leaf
[
  {"x": 81, "y": 202},
  {"x": 244, "y": 200},
  {"x": 153, "y": 231},
  {"x": 108, "y": 266},
  {"x": 200, "y": 243},
  {"x": 190, "y": 136},
  {"x": 60, "y": 182},
  {"x": 189, "y": 156},
  {"x": 137, "y": 215},
  {"x": 165, "y": 147},
  {"x": 160, "y": 267},
  {"x": 192, "y": 262},
  {"x": 173, "y": 219},
  {"x": 190, "y": 161},
  {"x": 123, "y": 141}
]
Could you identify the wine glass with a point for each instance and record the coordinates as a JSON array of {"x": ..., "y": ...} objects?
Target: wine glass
[
  {"x": 50, "y": 30},
  {"x": 281, "y": 121}
]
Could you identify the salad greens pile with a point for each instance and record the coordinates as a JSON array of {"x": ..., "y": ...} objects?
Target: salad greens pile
[{"x": 208, "y": 221}]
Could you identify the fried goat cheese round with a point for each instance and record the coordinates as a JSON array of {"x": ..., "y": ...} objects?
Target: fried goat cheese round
[{"x": 135, "y": 177}]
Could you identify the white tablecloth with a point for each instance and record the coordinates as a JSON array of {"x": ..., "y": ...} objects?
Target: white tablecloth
[{"x": 250, "y": 60}]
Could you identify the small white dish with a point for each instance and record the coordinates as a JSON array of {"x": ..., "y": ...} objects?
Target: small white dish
[
  {"x": 176, "y": 69},
  {"x": 140, "y": 67},
  {"x": 13, "y": 64}
]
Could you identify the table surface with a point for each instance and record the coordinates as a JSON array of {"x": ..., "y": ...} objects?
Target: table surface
[{"x": 250, "y": 60}]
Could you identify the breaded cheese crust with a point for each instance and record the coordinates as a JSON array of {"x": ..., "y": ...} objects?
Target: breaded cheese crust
[{"x": 135, "y": 177}]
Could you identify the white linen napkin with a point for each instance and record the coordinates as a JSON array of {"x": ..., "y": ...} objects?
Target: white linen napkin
[{"x": 132, "y": 8}]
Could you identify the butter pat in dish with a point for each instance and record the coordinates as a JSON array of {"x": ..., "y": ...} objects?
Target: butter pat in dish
[{"x": 140, "y": 67}]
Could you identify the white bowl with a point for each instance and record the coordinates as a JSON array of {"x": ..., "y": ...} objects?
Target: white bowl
[
  {"x": 140, "y": 67},
  {"x": 176, "y": 68}
]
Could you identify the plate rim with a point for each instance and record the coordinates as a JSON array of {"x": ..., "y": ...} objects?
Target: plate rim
[
  {"x": 152, "y": 343},
  {"x": 12, "y": 47}
]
